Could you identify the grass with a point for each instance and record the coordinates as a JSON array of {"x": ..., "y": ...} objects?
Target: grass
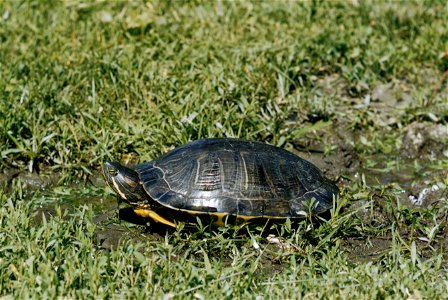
[
  {"x": 81, "y": 83},
  {"x": 59, "y": 257}
]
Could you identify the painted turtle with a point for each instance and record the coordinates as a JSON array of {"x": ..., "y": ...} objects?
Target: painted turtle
[{"x": 222, "y": 179}]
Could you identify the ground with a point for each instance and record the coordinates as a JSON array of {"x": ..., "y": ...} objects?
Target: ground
[{"x": 358, "y": 88}]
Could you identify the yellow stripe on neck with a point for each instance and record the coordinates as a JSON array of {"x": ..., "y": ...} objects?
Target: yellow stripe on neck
[{"x": 122, "y": 195}]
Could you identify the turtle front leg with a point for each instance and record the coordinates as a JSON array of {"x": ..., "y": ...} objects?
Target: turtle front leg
[{"x": 147, "y": 213}]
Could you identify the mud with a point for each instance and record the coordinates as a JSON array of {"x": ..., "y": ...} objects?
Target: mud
[
  {"x": 111, "y": 235},
  {"x": 424, "y": 140},
  {"x": 361, "y": 251},
  {"x": 32, "y": 181}
]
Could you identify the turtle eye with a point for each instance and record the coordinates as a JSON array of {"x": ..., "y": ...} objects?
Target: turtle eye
[{"x": 112, "y": 172}]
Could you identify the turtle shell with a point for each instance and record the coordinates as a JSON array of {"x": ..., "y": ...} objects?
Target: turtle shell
[{"x": 236, "y": 177}]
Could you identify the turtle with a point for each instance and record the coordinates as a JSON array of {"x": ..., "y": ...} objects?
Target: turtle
[{"x": 225, "y": 180}]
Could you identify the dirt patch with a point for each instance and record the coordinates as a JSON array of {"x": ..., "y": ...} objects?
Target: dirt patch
[
  {"x": 424, "y": 140},
  {"x": 120, "y": 225},
  {"x": 388, "y": 102},
  {"x": 425, "y": 196},
  {"x": 112, "y": 235},
  {"x": 342, "y": 159},
  {"x": 32, "y": 181},
  {"x": 364, "y": 251}
]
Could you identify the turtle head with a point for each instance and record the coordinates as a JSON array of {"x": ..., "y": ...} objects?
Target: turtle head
[{"x": 125, "y": 182}]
